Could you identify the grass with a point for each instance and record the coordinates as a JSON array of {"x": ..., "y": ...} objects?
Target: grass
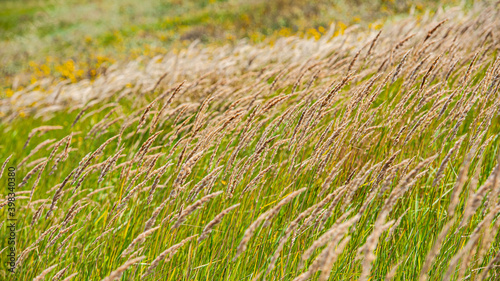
[
  {"x": 38, "y": 38},
  {"x": 331, "y": 148}
]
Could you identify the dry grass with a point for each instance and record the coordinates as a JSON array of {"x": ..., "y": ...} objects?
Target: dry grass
[{"x": 369, "y": 155}]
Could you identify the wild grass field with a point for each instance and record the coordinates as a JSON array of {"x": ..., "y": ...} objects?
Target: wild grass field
[
  {"x": 360, "y": 154},
  {"x": 78, "y": 40}
]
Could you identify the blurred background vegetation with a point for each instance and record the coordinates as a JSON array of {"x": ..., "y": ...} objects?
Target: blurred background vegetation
[{"x": 70, "y": 39}]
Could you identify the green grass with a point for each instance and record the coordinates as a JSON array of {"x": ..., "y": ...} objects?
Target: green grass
[
  {"x": 425, "y": 206},
  {"x": 212, "y": 259}
]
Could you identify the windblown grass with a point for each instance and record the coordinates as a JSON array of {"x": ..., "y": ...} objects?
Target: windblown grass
[{"x": 362, "y": 156}]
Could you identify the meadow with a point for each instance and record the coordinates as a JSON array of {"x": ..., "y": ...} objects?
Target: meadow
[
  {"x": 359, "y": 154},
  {"x": 78, "y": 40}
]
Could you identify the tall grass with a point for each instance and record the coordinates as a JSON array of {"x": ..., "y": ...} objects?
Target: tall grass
[{"x": 363, "y": 156}]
